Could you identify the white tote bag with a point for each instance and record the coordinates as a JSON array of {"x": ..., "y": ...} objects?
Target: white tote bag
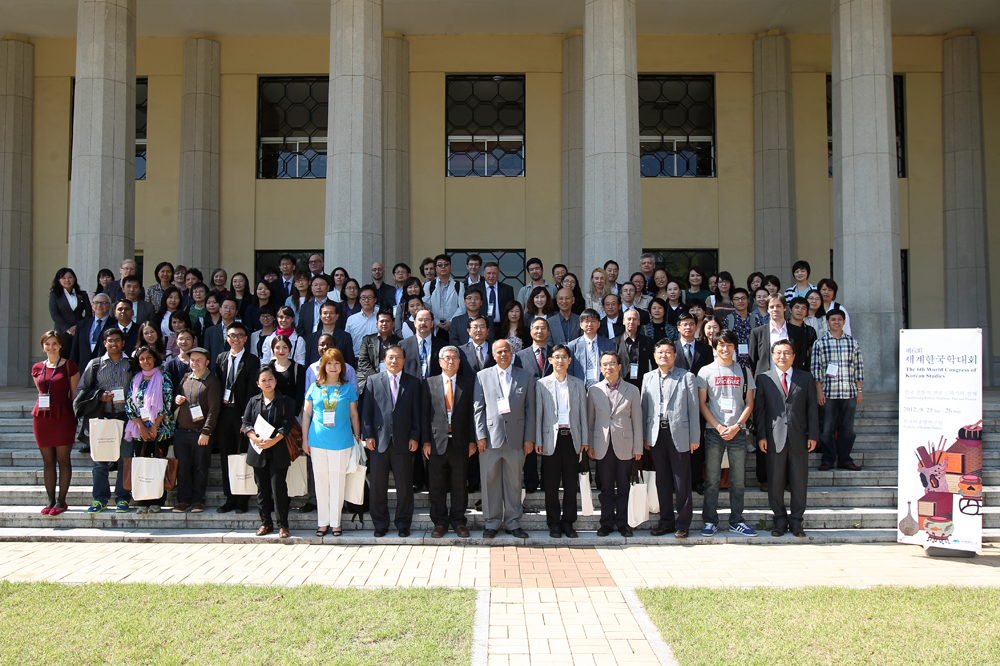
[
  {"x": 354, "y": 485},
  {"x": 241, "y": 480},
  {"x": 652, "y": 498},
  {"x": 106, "y": 439},
  {"x": 297, "y": 477},
  {"x": 638, "y": 505},
  {"x": 586, "y": 497},
  {"x": 147, "y": 478}
]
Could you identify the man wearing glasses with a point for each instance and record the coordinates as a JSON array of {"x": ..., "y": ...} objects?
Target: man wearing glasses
[
  {"x": 316, "y": 265},
  {"x": 365, "y": 322},
  {"x": 400, "y": 273},
  {"x": 444, "y": 296},
  {"x": 237, "y": 370},
  {"x": 741, "y": 323}
]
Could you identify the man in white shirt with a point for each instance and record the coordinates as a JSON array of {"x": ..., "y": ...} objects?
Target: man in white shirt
[
  {"x": 537, "y": 274},
  {"x": 496, "y": 294},
  {"x": 444, "y": 296},
  {"x": 611, "y": 325},
  {"x": 612, "y": 269},
  {"x": 365, "y": 322},
  {"x": 587, "y": 349},
  {"x": 472, "y": 264}
]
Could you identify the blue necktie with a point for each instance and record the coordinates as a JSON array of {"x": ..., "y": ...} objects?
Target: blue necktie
[
  {"x": 423, "y": 358},
  {"x": 493, "y": 302},
  {"x": 95, "y": 332}
]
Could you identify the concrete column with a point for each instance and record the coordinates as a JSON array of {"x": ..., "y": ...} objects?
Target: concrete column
[
  {"x": 102, "y": 191},
  {"x": 354, "y": 163},
  {"x": 775, "y": 240},
  {"x": 198, "y": 201},
  {"x": 865, "y": 194},
  {"x": 612, "y": 218},
  {"x": 572, "y": 153},
  {"x": 17, "y": 96},
  {"x": 966, "y": 250},
  {"x": 396, "y": 137}
]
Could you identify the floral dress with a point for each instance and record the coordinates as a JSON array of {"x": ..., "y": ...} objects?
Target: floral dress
[{"x": 167, "y": 426}]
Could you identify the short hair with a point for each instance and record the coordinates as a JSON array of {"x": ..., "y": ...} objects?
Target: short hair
[
  {"x": 772, "y": 279},
  {"x": 108, "y": 332},
  {"x": 267, "y": 367},
  {"x": 96, "y": 296},
  {"x": 125, "y": 301},
  {"x": 129, "y": 278},
  {"x": 590, "y": 313},
  {"x": 798, "y": 300},
  {"x": 835, "y": 311},
  {"x": 696, "y": 303},
  {"x": 666, "y": 341},
  {"x": 321, "y": 276},
  {"x": 287, "y": 256},
  {"x": 367, "y": 287},
  {"x": 612, "y": 354},
  {"x": 267, "y": 309},
  {"x": 184, "y": 331},
  {"x": 180, "y": 268},
  {"x": 490, "y": 264},
  {"x": 449, "y": 348},
  {"x": 474, "y": 292},
  {"x": 473, "y": 257},
  {"x": 475, "y": 319},
  {"x": 212, "y": 296},
  {"x": 396, "y": 347},
  {"x": 560, "y": 347},
  {"x": 328, "y": 304},
  {"x": 332, "y": 354},
  {"x": 829, "y": 282},
  {"x": 385, "y": 312},
  {"x": 739, "y": 290},
  {"x": 326, "y": 335},
  {"x": 442, "y": 257},
  {"x": 684, "y": 316},
  {"x": 531, "y": 262},
  {"x": 759, "y": 289},
  {"x": 801, "y": 263},
  {"x": 562, "y": 266},
  {"x": 609, "y": 262},
  {"x": 122, "y": 263},
  {"x": 401, "y": 265},
  {"x": 727, "y": 336},
  {"x": 195, "y": 272},
  {"x": 233, "y": 300},
  {"x": 198, "y": 285},
  {"x": 777, "y": 296},
  {"x": 236, "y": 325},
  {"x": 647, "y": 255},
  {"x": 51, "y": 334},
  {"x": 755, "y": 274},
  {"x": 616, "y": 296},
  {"x": 542, "y": 320},
  {"x": 783, "y": 341}
]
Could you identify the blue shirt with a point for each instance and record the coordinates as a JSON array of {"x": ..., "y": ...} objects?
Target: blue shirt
[{"x": 336, "y": 437}]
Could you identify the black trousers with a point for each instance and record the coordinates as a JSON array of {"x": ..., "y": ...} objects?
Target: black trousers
[
  {"x": 472, "y": 476},
  {"x": 794, "y": 459},
  {"x": 531, "y": 472},
  {"x": 447, "y": 473},
  {"x": 563, "y": 467},
  {"x": 419, "y": 470},
  {"x": 193, "y": 462},
  {"x": 272, "y": 493},
  {"x": 614, "y": 485},
  {"x": 673, "y": 478},
  {"x": 231, "y": 442},
  {"x": 400, "y": 462},
  {"x": 698, "y": 462}
]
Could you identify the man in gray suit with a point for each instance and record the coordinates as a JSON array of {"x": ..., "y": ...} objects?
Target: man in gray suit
[
  {"x": 614, "y": 416},
  {"x": 564, "y": 326},
  {"x": 671, "y": 431},
  {"x": 587, "y": 349},
  {"x": 786, "y": 414},
  {"x": 504, "y": 399},
  {"x": 561, "y": 434}
]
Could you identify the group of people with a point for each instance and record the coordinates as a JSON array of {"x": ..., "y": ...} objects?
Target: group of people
[{"x": 455, "y": 386}]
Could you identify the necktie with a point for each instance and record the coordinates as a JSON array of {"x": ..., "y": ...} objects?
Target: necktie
[
  {"x": 423, "y": 358},
  {"x": 449, "y": 397},
  {"x": 784, "y": 383},
  {"x": 493, "y": 302},
  {"x": 95, "y": 332},
  {"x": 481, "y": 355},
  {"x": 394, "y": 388},
  {"x": 288, "y": 287},
  {"x": 689, "y": 353},
  {"x": 541, "y": 363},
  {"x": 592, "y": 357}
]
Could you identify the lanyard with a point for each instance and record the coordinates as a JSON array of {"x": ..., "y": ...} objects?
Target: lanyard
[
  {"x": 49, "y": 386},
  {"x": 327, "y": 405}
]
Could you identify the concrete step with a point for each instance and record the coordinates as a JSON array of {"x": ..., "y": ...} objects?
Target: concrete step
[{"x": 8, "y": 425}]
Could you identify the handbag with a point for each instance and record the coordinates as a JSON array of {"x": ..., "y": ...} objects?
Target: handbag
[
  {"x": 241, "y": 481},
  {"x": 652, "y": 497},
  {"x": 147, "y": 478},
  {"x": 293, "y": 440},
  {"x": 106, "y": 439},
  {"x": 638, "y": 503}
]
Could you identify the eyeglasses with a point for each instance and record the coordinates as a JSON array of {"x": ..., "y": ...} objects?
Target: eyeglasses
[
  {"x": 442, "y": 265},
  {"x": 450, "y": 359},
  {"x": 367, "y": 298},
  {"x": 315, "y": 261},
  {"x": 236, "y": 336}
]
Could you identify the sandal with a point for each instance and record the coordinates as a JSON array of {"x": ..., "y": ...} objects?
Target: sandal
[
  {"x": 323, "y": 531},
  {"x": 337, "y": 532}
]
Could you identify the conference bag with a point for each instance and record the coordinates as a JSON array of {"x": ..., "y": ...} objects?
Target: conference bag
[
  {"x": 148, "y": 478},
  {"x": 586, "y": 497},
  {"x": 297, "y": 477},
  {"x": 241, "y": 481},
  {"x": 652, "y": 497},
  {"x": 354, "y": 480},
  {"x": 638, "y": 503},
  {"x": 106, "y": 439}
]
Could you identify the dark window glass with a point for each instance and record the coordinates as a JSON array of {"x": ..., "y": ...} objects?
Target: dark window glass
[
  {"x": 141, "y": 96},
  {"x": 485, "y": 125},
  {"x": 269, "y": 259},
  {"x": 899, "y": 101},
  {"x": 904, "y": 270},
  {"x": 676, "y": 126},
  {"x": 511, "y": 263},
  {"x": 292, "y": 120},
  {"x": 679, "y": 262}
]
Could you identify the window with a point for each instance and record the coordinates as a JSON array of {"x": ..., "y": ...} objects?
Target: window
[
  {"x": 676, "y": 126},
  {"x": 899, "y": 101},
  {"x": 292, "y": 118},
  {"x": 269, "y": 259},
  {"x": 511, "y": 264},
  {"x": 485, "y": 125},
  {"x": 679, "y": 262},
  {"x": 141, "y": 96}
]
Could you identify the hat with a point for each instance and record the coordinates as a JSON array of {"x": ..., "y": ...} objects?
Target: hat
[{"x": 199, "y": 350}]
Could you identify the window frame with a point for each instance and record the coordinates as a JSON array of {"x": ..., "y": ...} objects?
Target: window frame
[
  {"x": 301, "y": 146},
  {"x": 682, "y": 139},
  {"x": 495, "y": 155}
]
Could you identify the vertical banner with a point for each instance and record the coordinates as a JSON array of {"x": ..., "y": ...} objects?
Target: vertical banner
[{"x": 941, "y": 438}]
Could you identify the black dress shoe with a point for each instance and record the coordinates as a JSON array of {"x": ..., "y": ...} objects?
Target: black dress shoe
[
  {"x": 799, "y": 532},
  {"x": 763, "y": 486},
  {"x": 308, "y": 507},
  {"x": 489, "y": 534},
  {"x": 462, "y": 531},
  {"x": 660, "y": 530},
  {"x": 604, "y": 531},
  {"x": 404, "y": 532},
  {"x": 520, "y": 533},
  {"x": 226, "y": 507},
  {"x": 825, "y": 468},
  {"x": 555, "y": 532},
  {"x": 625, "y": 530},
  {"x": 681, "y": 534},
  {"x": 380, "y": 533},
  {"x": 240, "y": 509},
  {"x": 852, "y": 467},
  {"x": 85, "y": 448},
  {"x": 569, "y": 532},
  {"x": 777, "y": 533}
]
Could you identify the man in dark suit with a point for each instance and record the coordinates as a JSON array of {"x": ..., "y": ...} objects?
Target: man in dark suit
[
  {"x": 564, "y": 325},
  {"x": 477, "y": 353},
  {"x": 126, "y": 324},
  {"x": 611, "y": 323},
  {"x": 142, "y": 310},
  {"x": 449, "y": 439},
  {"x": 496, "y": 294},
  {"x": 310, "y": 312},
  {"x": 385, "y": 294},
  {"x": 371, "y": 356},
  {"x": 458, "y": 334},
  {"x": 635, "y": 351},
  {"x": 114, "y": 289},
  {"x": 693, "y": 355},
  {"x": 328, "y": 315},
  {"x": 787, "y": 418},
  {"x": 237, "y": 370},
  {"x": 87, "y": 341},
  {"x": 282, "y": 287},
  {"x": 390, "y": 425},
  {"x": 587, "y": 349},
  {"x": 215, "y": 336},
  {"x": 423, "y": 348}
]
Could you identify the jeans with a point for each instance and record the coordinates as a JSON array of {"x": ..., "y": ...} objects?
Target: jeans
[
  {"x": 836, "y": 437},
  {"x": 714, "y": 448},
  {"x": 102, "y": 472}
]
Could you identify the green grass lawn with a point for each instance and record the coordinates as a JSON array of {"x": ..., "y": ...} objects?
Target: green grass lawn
[
  {"x": 44, "y": 623},
  {"x": 822, "y": 625}
]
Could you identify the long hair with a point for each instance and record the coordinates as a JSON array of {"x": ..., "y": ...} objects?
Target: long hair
[
  {"x": 593, "y": 295},
  {"x": 332, "y": 354},
  {"x": 62, "y": 272},
  {"x": 504, "y": 327},
  {"x": 162, "y": 310}
]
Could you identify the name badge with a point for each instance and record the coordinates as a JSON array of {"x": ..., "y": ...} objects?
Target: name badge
[
  {"x": 727, "y": 405},
  {"x": 118, "y": 394},
  {"x": 196, "y": 414},
  {"x": 634, "y": 372},
  {"x": 503, "y": 405},
  {"x": 144, "y": 413},
  {"x": 226, "y": 393},
  {"x": 490, "y": 310},
  {"x": 744, "y": 350},
  {"x": 381, "y": 366},
  {"x": 43, "y": 401},
  {"x": 591, "y": 375},
  {"x": 831, "y": 370},
  {"x": 563, "y": 420},
  {"x": 329, "y": 418}
]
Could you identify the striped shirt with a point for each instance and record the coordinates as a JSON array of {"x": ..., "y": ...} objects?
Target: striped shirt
[
  {"x": 112, "y": 375},
  {"x": 844, "y": 353}
]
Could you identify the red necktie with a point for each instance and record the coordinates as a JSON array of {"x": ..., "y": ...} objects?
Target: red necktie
[
  {"x": 541, "y": 363},
  {"x": 784, "y": 383}
]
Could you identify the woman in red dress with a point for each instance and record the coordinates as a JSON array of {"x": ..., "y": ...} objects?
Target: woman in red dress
[{"x": 54, "y": 422}]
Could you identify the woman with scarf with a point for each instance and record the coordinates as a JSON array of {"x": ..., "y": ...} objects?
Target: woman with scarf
[
  {"x": 149, "y": 408},
  {"x": 286, "y": 327}
]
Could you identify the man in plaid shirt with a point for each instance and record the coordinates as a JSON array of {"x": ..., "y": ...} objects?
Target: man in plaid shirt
[{"x": 839, "y": 373}]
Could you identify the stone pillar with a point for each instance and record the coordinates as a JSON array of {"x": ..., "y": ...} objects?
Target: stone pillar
[
  {"x": 966, "y": 250},
  {"x": 572, "y": 153},
  {"x": 198, "y": 201},
  {"x": 612, "y": 217},
  {"x": 17, "y": 96},
  {"x": 775, "y": 239},
  {"x": 102, "y": 191},
  {"x": 865, "y": 194},
  {"x": 354, "y": 163},
  {"x": 396, "y": 138}
]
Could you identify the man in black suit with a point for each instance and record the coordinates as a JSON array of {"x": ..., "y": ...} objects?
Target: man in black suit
[
  {"x": 282, "y": 287},
  {"x": 458, "y": 334},
  {"x": 629, "y": 295},
  {"x": 371, "y": 356},
  {"x": 114, "y": 289},
  {"x": 423, "y": 348},
  {"x": 390, "y": 425},
  {"x": 635, "y": 351},
  {"x": 142, "y": 310},
  {"x": 328, "y": 314},
  {"x": 787, "y": 417},
  {"x": 237, "y": 370},
  {"x": 611, "y": 323},
  {"x": 693, "y": 356},
  {"x": 477, "y": 353},
  {"x": 385, "y": 294},
  {"x": 309, "y": 313},
  {"x": 215, "y": 336},
  {"x": 316, "y": 266},
  {"x": 449, "y": 439},
  {"x": 126, "y": 324},
  {"x": 496, "y": 294},
  {"x": 87, "y": 342}
]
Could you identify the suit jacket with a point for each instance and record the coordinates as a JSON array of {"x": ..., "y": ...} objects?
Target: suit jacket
[
  {"x": 760, "y": 348},
  {"x": 470, "y": 365},
  {"x": 514, "y": 427},
  {"x": 214, "y": 340},
  {"x": 341, "y": 340},
  {"x": 644, "y": 317},
  {"x": 619, "y": 425},
  {"x": 80, "y": 351},
  {"x": 280, "y": 414},
  {"x": 434, "y": 424},
  {"x": 646, "y": 362},
  {"x": 280, "y": 293},
  {"x": 556, "y": 335},
  {"x": 304, "y": 325},
  {"x": 505, "y": 294},
  {"x": 115, "y": 293},
  {"x": 547, "y": 413},
  {"x": 411, "y": 365},
  {"x": 703, "y": 355},
  {"x": 526, "y": 359},
  {"x": 578, "y": 349},
  {"x": 65, "y": 317},
  {"x": 786, "y": 421},
  {"x": 682, "y": 408},
  {"x": 458, "y": 334},
  {"x": 619, "y": 328},
  {"x": 143, "y": 311},
  {"x": 385, "y": 422},
  {"x": 131, "y": 338},
  {"x": 369, "y": 357},
  {"x": 244, "y": 384}
]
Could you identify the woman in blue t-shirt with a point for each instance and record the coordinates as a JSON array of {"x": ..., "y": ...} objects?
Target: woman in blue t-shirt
[{"x": 330, "y": 423}]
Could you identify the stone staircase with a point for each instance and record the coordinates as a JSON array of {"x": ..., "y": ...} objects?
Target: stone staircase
[{"x": 843, "y": 506}]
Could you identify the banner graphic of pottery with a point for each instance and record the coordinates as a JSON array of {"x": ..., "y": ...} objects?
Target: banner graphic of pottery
[{"x": 941, "y": 438}]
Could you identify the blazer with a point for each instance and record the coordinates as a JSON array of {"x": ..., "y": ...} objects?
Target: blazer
[
  {"x": 386, "y": 296},
  {"x": 214, "y": 340},
  {"x": 514, "y": 427},
  {"x": 341, "y": 340},
  {"x": 526, "y": 359},
  {"x": 760, "y": 348},
  {"x": 143, "y": 311},
  {"x": 115, "y": 293},
  {"x": 578, "y": 350},
  {"x": 458, "y": 334},
  {"x": 434, "y": 424},
  {"x": 304, "y": 321},
  {"x": 505, "y": 294},
  {"x": 280, "y": 293},
  {"x": 703, "y": 355},
  {"x": 470, "y": 365},
  {"x": 644, "y": 317},
  {"x": 619, "y": 328},
  {"x": 646, "y": 362},
  {"x": 619, "y": 425},
  {"x": 385, "y": 422},
  {"x": 131, "y": 338},
  {"x": 280, "y": 414},
  {"x": 547, "y": 413},
  {"x": 369, "y": 357},
  {"x": 781, "y": 420},
  {"x": 681, "y": 407},
  {"x": 244, "y": 384},
  {"x": 556, "y": 335},
  {"x": 411, "y": 365},
  {"x": 80, "y": 351},
  {"x": 65, "y": 317}
]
